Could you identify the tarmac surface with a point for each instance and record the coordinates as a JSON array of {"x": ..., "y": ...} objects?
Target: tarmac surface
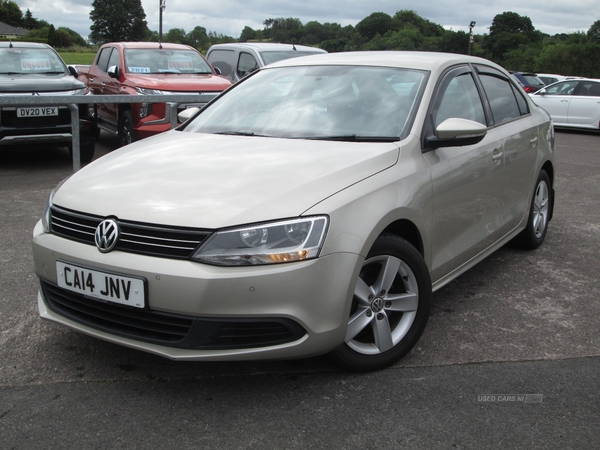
[{"x": 510, "y": 357}]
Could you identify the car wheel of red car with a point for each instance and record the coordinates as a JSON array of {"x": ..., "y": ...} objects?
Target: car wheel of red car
[{"x": 126, "y": 133}]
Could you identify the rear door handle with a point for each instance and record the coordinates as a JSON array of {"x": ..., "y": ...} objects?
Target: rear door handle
[{"x": 533, "y": 141}]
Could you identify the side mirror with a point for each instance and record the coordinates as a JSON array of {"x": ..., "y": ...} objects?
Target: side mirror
[
  {"x": 542, "y": 91},
  {"x": 455, "y": 132},
  {"x": 73, "y": 71},
  {"x": 187, "y": 114},
  {"x": 217, "y": 70},
  {"x": 114, "y": 72}
]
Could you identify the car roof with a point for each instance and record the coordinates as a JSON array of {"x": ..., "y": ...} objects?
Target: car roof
[
  {"x": 151, "y": 45},
  {"x": 266, "y": 46},
  {"x": 21, "y": 44},
  {"x": 402, "y": 59}
]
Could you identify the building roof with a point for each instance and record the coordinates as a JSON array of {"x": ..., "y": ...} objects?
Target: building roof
[{"x": 9, "y": 30}]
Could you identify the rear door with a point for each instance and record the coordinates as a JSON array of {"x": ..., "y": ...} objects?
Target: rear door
[
  {"x": 584, "y": 108},
  {"x": 519, "y": 130}
]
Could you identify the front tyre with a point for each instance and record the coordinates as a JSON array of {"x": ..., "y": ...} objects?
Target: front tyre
[
  {"x": 390, "y": 307},
  {"x": 126, "y": 133},
  {"x": 539, "y": 214}
]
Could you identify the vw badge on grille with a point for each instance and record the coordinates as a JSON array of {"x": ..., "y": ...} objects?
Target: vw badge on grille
[{"x": 107, "y": 235}]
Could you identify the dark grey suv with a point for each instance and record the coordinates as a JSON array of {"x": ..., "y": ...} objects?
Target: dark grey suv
[
  {"x": 27, "y": 69},
  {"x": 529, "y": 81}
]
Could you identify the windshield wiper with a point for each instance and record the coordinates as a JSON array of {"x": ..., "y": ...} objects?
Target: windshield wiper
[
  {"x": 241, "y": 133},
  {"x": 351, "y": 138}
]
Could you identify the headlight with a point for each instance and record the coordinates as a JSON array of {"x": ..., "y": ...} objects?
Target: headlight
[
  {"x": 144, "y": 91},
  {"x": 266, "y": 243},
  {"x": 46, "y": 215}
]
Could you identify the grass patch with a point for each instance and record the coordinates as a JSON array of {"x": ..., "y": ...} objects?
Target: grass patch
[{"x": 78, "y": 57}]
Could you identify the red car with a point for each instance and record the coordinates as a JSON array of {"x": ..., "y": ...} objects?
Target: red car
[{"x": 147, "y": 68}]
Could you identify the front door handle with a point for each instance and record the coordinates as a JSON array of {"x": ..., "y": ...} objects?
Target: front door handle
[{"x": 497, "y": 156}]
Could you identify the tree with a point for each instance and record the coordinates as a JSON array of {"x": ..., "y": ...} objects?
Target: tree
[
  {"x": 51, "y": 36},
  {"x": 594, "y": 32},
  {"x": 117, "y": 20},
  {"x": 10, "y": 13},
  {"x": 377, "y": 23},
  {"x": 248, "y": 34},
  {"x": 72, "y": 36},
  {"x": 508, "y": 32},
  {"x": 176, "y": 36},
  {"x": 198, "y": 38}
]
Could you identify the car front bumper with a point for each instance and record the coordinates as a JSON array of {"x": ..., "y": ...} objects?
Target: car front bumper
[{"x": 311, "y": 299}]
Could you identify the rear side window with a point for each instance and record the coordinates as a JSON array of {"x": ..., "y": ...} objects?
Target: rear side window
[
  {"x": 502, "y": 98},
  {"x": 590, "y": 89}
]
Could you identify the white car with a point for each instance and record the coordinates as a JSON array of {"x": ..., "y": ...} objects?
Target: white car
[
  {"x": 236, "y": 60},
  {"x": 313, "y": 207},
  {"x": 572, "y": 103}
]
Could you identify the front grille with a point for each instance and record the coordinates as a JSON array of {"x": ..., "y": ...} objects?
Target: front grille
[
  {"x": 124, "y": 321},
  {"x": 9, "y": 119},
  {"x": 155, "y": 240},
  {"x": 170, "y": 329}
]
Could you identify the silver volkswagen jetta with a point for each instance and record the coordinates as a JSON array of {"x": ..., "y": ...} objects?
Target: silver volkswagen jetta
[{"x": 312, "y": 208}]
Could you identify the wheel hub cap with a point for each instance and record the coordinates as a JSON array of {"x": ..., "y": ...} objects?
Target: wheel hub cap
[{"x": 377, "y": 305}]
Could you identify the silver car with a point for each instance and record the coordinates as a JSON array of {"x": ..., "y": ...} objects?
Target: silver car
[{"x": 313, "y": 208}]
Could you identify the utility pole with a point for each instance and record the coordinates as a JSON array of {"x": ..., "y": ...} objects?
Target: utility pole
[
  {"x": 471, "y": 26},
  {"x": 161, "y": 7}
]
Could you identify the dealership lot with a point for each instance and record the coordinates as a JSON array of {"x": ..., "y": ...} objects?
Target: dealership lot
[{"x": 519, "y": 323}]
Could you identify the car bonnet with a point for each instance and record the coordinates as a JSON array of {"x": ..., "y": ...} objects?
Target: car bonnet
[{"x": 213, "y": 181}]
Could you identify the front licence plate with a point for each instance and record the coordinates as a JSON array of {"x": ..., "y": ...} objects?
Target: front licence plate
[
  {"x": 101, "y": 285},
  {"x": 38, "y": 111}
]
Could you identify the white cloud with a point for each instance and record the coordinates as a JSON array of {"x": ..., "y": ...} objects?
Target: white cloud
[{"x": 229, "y": 17}]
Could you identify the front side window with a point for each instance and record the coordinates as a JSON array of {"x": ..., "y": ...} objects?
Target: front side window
[
  {"x": 564, "y": 88},
  {"x": 103, "y": 58},
  {"x": 224, "y": 60},
  {"x": 320, "y": 102},
  {"x": 461, "y": 100},
  {"x": 156, "y": 60},
  {"x": 114, "y": 59},
  {"x": 246, "y": 64}
]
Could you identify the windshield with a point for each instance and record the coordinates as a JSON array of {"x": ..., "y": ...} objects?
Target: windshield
[
  {"x": 317, "y": 102},
  {"x": 30, "y": 61},
  {"x": 155, "y": 60},
  {"x": 271, "y": 56}
]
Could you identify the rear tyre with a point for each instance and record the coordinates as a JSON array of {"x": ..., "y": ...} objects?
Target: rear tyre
[
  {"x": 126, "y": 133},
  {"x": 539, "y": 215},
  {"x": 87, "y": 150},
  {"x": 390, "y": 308}
]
